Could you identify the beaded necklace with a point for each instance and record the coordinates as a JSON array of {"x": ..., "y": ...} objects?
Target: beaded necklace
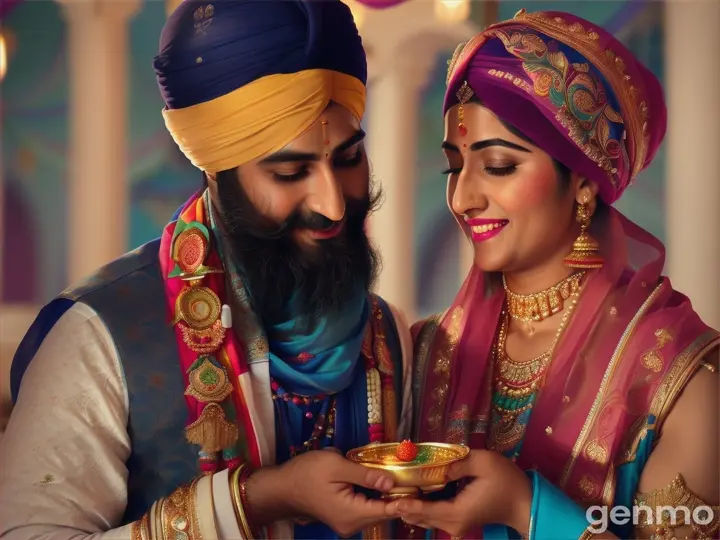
[
  {"x": 517, "y": 386},
  {"x": 321, "y": 408}
]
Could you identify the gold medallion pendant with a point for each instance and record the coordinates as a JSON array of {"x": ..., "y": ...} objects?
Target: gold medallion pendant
[
  {"x": 208, "y": 381},
  {"x": 198, "y": 307},
  {"x": 189, "y": 250}
]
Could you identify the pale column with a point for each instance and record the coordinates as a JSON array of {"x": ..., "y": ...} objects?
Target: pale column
[
  {"x": 394, "y": 107},
  {"x": 98, "y": 168},
  {"x": 693, "y": 185}
]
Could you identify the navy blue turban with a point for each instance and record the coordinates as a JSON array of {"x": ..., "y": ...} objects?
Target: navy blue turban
[{"x": 209, "y": 49}]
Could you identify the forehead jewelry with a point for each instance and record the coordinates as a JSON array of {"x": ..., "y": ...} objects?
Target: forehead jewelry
[
  {"x": 326, "y": 141},
  {"x": 463, "y": 95}
]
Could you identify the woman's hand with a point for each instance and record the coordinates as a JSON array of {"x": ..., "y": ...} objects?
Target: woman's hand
[{"x": 497, "y": 492}]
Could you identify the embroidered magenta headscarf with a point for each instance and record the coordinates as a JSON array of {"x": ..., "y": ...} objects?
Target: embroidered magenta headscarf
[
  {"x": 632, "y": 341},
  {"x": 571, "y": 87}
]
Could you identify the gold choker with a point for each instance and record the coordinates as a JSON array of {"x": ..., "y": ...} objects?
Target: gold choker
[{"x": 541, "y": 305}]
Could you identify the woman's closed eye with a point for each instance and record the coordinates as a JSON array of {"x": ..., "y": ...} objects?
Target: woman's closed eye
[
  {"x": 492, "y": 171},
  {"x": 501, "y": 171}
]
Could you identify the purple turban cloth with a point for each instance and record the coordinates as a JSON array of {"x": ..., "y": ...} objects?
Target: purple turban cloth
[{"x": 570, "y": 87}]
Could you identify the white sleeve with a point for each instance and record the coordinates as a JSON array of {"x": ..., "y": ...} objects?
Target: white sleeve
[{"x": 62, "y": 458}]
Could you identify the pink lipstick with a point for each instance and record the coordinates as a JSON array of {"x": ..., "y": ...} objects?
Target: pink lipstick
[{"x": 484, "y": 229}]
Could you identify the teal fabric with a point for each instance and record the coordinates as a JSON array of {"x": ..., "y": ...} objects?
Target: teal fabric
[
  {"x": 555, "y": 516},
  {"x": 628, "y": 478},
  {"x": 334, "y": 344}
]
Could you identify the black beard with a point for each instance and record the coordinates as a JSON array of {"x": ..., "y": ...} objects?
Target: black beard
[{"x": 324, "y": 280}]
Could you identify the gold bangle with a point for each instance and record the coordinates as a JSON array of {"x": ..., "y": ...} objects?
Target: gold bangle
[
  {"x": 177, "y": 512},
  {"x": 139, "y": 530},
  {"x": 237, "y": 502},
  {"x": 586, "y": 535}
]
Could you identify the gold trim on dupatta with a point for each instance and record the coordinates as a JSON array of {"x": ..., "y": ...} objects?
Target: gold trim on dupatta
[
  {"x": 674, "y": 381},
  {"x": 607, "y": 377}
]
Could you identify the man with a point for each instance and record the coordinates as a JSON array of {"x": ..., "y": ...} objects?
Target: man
[{"x": 246, "y": 332}]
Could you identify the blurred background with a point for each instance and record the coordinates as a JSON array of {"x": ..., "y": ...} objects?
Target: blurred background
[{"x": 89, "y": 170}]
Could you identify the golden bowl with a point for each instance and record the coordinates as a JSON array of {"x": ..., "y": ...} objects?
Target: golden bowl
[{"x": 426, "y": 473}]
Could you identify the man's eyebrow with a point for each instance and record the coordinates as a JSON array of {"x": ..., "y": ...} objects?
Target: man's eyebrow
[
  {"x": 289, "y": 156},
  {"x": 292, "y": 156},
  {"x": 351, "y": 141}
]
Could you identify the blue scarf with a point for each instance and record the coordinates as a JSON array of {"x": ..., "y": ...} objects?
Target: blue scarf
[{"x": 312, "y": 357}]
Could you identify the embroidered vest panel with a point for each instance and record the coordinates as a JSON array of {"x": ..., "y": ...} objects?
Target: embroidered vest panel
[{"x": 128, "y": 295}]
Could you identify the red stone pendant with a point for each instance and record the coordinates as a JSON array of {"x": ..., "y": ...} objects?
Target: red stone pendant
[{"x": 462, "y": 129}]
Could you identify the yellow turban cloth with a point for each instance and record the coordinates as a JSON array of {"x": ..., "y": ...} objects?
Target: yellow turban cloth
[{"x": 259, "y": 118}]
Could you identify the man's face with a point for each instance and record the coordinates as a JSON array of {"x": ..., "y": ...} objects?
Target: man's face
[{"x": 296, "y": 218}]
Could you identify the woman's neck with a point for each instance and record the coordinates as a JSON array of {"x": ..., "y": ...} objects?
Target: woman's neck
[{"x": 537, "y": 279}]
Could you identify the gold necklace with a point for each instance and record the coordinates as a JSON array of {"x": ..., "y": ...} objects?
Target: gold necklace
[
  {"x": 517, "y": 384},
  {"x": 541, "y": 305}
]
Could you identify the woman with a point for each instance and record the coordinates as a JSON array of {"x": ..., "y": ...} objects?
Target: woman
[{"x": 571, "y": 367}]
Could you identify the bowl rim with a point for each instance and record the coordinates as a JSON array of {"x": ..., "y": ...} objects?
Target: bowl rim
[{"x": 462, "y": 449}]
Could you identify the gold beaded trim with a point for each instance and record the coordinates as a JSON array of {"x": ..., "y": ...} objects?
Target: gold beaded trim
[
  {"x": 541, "y": 305},
  {"x": 174, "y": 517},
  {"x": 177, "y": 512},
  {"x": 703, "y": 518}
]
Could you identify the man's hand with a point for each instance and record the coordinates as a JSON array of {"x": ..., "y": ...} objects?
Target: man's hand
[
  {"x": 498, "y": 492},
  {"x": 318, "y": 485}
]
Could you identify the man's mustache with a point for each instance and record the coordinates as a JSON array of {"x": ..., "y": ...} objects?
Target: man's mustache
[{"x": 355, "y": 210}]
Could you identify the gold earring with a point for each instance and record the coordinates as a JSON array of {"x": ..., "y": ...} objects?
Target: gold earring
[{"x": 585, "y": 248}]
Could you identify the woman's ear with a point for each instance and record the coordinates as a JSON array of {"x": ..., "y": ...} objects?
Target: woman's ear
[{"x": 586, "y": 193}]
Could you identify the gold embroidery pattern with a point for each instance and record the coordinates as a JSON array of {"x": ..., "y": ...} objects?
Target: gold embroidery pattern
[
  {"x": 587, "y": 535},
  {"x": 636, "y": 434},
  {"x": 457, "y": 429},
  {"x": 579, "y": 97},
  {"x": 174, "y": 517},
  {"x": 612, "y": 68},
  {"x": 597, "y": 451},
  {"x": 442, "y": 368},
  {"x": 608, "y": 494},
  {"x": 682, "y": 369},
  {"x": 673, "y": 382},
  {"x": 177, "y": 511},
  {"x": 652, "y": 359},
  {"x": 462, "y": 52},
  {"x": 453, "y": 61},
  {"x": 139, "y": 529},
  {"x": 587, "y": 487},
  {"x": 203, "y": 17},
  {"x": 604, "y": 384},
  {"x": 677, "y": 506}
]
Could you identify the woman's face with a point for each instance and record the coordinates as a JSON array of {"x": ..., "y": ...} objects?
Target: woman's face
[{"x": 507, "y": 195}]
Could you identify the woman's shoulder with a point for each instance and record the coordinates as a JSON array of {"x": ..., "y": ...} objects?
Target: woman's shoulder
[{"x": 424, "y": 328}]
